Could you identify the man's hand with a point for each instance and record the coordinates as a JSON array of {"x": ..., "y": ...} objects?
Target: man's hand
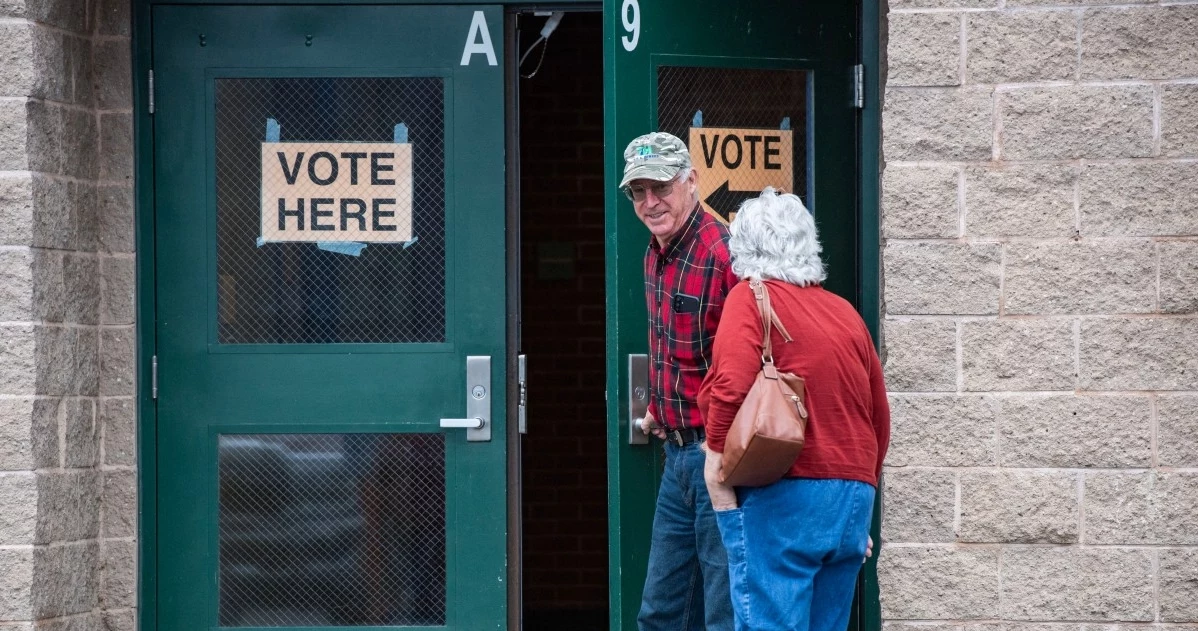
[
  {"x": 723, "y": 497},
  {"x": 869, "y": 549},
  {"x": 649, "y": 426}
]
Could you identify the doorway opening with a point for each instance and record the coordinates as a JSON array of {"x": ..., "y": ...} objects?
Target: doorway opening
[{"x": 564, "y": 453}]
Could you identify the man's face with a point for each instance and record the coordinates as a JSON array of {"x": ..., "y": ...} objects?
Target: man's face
[{"x": 663, "y": 206}]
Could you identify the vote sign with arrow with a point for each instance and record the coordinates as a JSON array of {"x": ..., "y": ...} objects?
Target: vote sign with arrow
[{"x": 735, "y": 164}]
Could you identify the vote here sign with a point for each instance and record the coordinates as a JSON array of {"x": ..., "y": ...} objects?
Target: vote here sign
[
  {"x": 348, "y": 191},
  {"x": 735, "y": 164}
]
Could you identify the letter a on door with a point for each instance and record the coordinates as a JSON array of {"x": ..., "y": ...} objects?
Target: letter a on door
[{"x": 478, "y": 26}]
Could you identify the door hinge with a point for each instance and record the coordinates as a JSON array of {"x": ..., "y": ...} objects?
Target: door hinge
[
  {"x": 150, "y": 91},
  {"x": 154, "y": 377},
  {"x": 522, "y": 405},
  {"x": 859, "y": 86}
]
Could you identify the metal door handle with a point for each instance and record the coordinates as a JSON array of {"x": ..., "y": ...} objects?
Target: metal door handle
[
  {"x": 638, "y": 398},
  {"x": 463, "y": 423},
  {"x": 478, "y": 401}
]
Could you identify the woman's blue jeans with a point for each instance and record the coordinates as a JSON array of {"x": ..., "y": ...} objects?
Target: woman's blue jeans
[
  {"x": 687, "y": 585},
  {"x": 794, "y": 550}
]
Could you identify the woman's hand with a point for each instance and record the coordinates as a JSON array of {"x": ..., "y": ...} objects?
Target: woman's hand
[{"x": 723, "y": 497}]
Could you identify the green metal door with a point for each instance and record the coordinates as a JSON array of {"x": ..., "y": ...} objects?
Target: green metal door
[
  {"x": 763, "y": 93},
  {"x": 330, "y": 317}
]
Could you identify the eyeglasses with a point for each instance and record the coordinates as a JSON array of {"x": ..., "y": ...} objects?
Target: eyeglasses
[{"x": 636, "y": 193}]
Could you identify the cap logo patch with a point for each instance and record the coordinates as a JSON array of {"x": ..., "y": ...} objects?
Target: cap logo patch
[{"x": 644, "y": 151}]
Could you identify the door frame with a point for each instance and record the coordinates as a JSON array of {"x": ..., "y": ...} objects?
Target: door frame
[{"x": 869, "y": 282}]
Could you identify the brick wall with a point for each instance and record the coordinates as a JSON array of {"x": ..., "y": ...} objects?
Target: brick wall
[
  {"x": 565, "y": 475},
  {"x": 1040, "y": 205},
  {"x": 67, "y": 483}
]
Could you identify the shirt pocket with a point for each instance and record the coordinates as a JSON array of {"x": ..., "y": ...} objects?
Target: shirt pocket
[{"x": 690, "y": 347}]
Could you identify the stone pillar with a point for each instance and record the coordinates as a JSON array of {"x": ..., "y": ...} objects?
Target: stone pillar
[
  {"x": 67, "y": 468},
  {"x": 1040, "y": 205}
]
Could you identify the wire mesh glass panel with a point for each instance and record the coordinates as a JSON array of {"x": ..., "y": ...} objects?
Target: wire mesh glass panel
[
  {"x": 330, "y": 197},
  {"x": 332, "y": 530},
  {"x": 745, "y": 129}
]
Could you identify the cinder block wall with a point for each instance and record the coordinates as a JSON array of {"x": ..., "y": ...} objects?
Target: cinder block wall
[
  {"x": 1040, "y": 204},
  {"x": 67, "y": 489}
]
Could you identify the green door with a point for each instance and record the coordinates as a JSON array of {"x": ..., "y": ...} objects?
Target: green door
[
  {"x": 763, "y": 93},
  {"x": 330, "y": 317}
]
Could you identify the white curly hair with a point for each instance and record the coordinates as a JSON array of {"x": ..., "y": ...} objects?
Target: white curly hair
[{"x": 774, "y": 237}]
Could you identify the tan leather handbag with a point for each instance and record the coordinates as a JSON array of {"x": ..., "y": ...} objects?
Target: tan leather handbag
[{"x": 767, "y": 434}]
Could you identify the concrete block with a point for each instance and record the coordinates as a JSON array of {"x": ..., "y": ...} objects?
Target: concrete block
[
  {"x": 17, "y": 59},
  {"x": 68, "y": 505},
  {"x": 1139, "y": 354},
  {"x": 16, "y": 285},
  {"x": 921, "y": 355},
  {"x": 17, "y": 365},
  {"x": 114, "y": 79},
  {"x": 49, "y": 292},
  {"x": 941, "y": 124},
  {"x": 83, "y": 433},
  {"x": 1141, "y": 508},
  {"x": 1143, "y": 43},
  {"x": 920, "y": 202},
  {"x": 51, "y": 79},
  {"x": 1151, "y": 199},
  {"x": 55, "y": 359},
  {"x": 81, "y": 277},
  {"x": 120, "y": 504},
  {"x": 1072, "y": 3},
  {"x": 116, "y": 147},
  {"x": 120, "y": 574},
  {"x": 119, "y": 290},
  {"x": 46, "y": 413},
  {"x": 65, "y": 580},
  {"x": 86, "y": 215},
  {"x": 92, "y": 621},
  {"x": 942, "y": 431},
  {"x": 14, "y": 133},
  {"x": 18, "y": 508},
  {"x": 16, "y": 580},
  {"x": 1068, "y": 431},
  {"x": 1178, "y": 590},
  {"x": 924, "y": 49},
  {"x": 115, "y": 218},
  {"x": 16, "y": 209},
  {"x": 81, "y": 144},
  {"x": 65, "y": 15},
  {"x": 120, "y": 433},
  {"x": 120, "y": 620},
  {"x": 943, "y": 4},
  {"x": 1179, "y": 120},
  {"x": 936, "y": 583},
  {"x": 46, "y": 148},
  {"x": 117, "y": 357},
  {"x": 936, "y": 278},
  {"x": 1002, "y": 355},
  {"x": 86, "y": 380},
  {"x": 81, "y": 70},
  {"x": 1019, "y": 507},
  {"x": 1069, "y": 583},
  {"x": 1070, "y": 122},
  {"x": 1021, "y": 47},
  {"x": 114, "y": 17},
  {"x": 17, "y": 432},
  {"x": 1178, "y": 276},
  {"x": 53, "y": 215},
  {"x": 1020, "y": 201},
  {"x": 1093, "y": 277},
  {"x": 1177, "y": 431},
  {"x": 919, "y": 506}
]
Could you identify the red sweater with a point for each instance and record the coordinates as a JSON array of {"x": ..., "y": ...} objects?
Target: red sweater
[{"x": 849, "y": 426}]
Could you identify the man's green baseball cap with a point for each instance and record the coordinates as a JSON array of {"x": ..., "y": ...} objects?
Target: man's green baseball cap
[{"x": 657, "y": 156}]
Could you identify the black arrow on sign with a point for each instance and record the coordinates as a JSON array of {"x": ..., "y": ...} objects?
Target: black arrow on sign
[{"x": 725, "y": 201}]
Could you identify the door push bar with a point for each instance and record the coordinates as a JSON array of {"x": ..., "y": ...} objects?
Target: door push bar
[
  {"x": 478, "y": 401},
  {"x": 638, "y": 398}
]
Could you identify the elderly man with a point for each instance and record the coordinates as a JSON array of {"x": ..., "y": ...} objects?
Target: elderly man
[{"x": 688, "y": 273}]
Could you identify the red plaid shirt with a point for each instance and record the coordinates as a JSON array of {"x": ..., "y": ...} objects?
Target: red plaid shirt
[{"x": 685, "y": 285}]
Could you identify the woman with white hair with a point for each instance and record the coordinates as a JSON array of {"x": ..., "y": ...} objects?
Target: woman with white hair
[{"x": 795, "y": 546}]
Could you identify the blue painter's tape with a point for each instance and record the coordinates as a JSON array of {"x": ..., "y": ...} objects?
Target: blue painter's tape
[
  {"x": 408, "y": 244},
  {"x": 401, "y": 134},
  {"x": 260, "y": 241},
  {"x": 785, "y": 124},
  {"x": 272, "y": 130},
  {"x": 697, "y": 121},
  {"x": 352, "y": 248}
]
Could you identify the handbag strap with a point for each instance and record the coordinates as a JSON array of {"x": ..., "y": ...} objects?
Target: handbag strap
[{"x": 768, "y": 316}]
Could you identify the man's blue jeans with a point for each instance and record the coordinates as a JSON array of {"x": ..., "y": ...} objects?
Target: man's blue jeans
[
  {"x": 687, "y": 586},
  {"x": 794, "y": 550}
]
